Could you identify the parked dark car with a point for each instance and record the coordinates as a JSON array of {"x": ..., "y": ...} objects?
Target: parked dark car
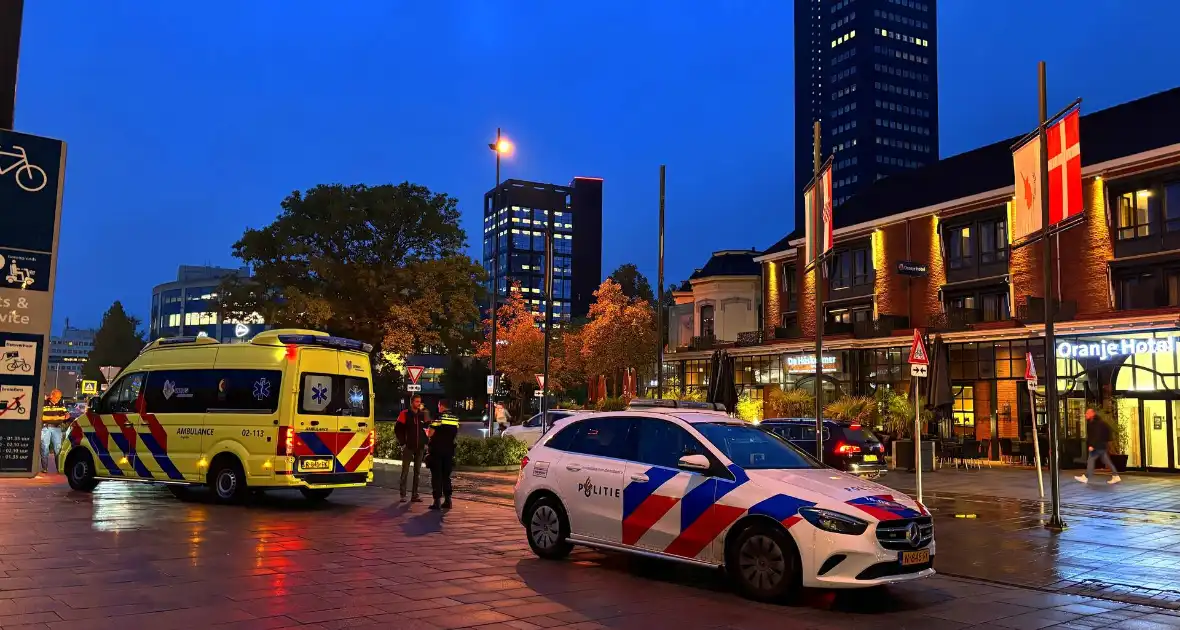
[{"x": 848, "y": 447}]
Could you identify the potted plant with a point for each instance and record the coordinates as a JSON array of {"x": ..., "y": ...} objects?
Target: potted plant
[
  {"x": 791, "y": 403},
  {"x": 897, "y": 420},
  {"x": 1119, "y": 438}
]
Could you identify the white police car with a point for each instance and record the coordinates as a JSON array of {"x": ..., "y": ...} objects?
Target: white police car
[{"x": 705, "y": 489}]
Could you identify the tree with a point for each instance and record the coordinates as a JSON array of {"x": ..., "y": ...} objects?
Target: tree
[
  {"x": 621, "y": 333},
  {"x": 117, "y": 342},
  {"x": 520, "y": 345},
  {"x": 381, "y": 264},
  {"x": 633, "y": 283}
]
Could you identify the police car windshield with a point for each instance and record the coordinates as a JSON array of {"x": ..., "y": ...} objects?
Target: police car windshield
[{"x": 754, "y": 449}]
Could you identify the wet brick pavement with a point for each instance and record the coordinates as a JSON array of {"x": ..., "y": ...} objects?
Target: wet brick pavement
[
  {"x": 131, "y": 556},
  {"x": 990, "y": 526}
]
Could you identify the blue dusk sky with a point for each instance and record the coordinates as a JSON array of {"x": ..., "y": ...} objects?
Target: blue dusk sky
[{"x": 189, "y": 122}]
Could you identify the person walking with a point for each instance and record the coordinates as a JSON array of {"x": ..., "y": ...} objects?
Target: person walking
[
  {"x": 501, "y": 417},
  {"x": 440, "y": 456},
  {"x": 1097, "y": 441},
  {"x": 54, "y": 416},
  {"x": 410, "y": 430}
]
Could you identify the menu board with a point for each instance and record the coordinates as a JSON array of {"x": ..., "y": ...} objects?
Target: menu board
[{"x": 20, "y": 400}]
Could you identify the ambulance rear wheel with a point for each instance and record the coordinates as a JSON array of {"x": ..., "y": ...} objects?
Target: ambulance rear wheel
[
  {"x": 228, "y": 481},
  {"x": 80, "y": 470},
  {"x": 316, "y": 495}
]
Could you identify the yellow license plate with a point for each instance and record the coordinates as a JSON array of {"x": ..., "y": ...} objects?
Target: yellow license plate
[
  {"x": 319, "y": 464},
  {"x": 870, "y": 458},
  {"x": 910, "y": 558}
]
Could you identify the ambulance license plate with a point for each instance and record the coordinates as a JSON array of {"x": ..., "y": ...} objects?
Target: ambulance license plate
[
  {"x": 870, "y": 458},
  {"x": 910, "y": 558},
  {"x": 315, "y": 464}
]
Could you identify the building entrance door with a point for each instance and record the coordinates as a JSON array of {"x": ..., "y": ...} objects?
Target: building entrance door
[{"x": 1158, "y": 431}]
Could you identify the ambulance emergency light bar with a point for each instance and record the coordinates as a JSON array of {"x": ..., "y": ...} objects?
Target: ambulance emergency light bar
[{"x": 329, "y": 341}]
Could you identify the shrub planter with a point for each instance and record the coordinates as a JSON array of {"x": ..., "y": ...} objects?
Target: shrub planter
[
  {"x": 903, "y": 455},
  {"x": 1120, "y": 463}
]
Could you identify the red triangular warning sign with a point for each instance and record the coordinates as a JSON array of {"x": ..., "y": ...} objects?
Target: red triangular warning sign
[
  {"x": 1030, "y": 370},
  {"x": 540, "y": 380},
  {"x": 918, "y": 354},
  {"x": 415, "y": 371}
]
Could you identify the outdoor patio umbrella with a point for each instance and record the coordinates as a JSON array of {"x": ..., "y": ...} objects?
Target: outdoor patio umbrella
[
  {"x": 729, "y": 391},
  {"x": 939, "y": 397}
]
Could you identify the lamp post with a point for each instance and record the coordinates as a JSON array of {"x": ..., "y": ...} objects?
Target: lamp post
[{"x": 500, "y": 147}]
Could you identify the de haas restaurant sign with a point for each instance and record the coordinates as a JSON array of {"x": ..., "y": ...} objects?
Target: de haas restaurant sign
[{"x": 1107, "y": 349}]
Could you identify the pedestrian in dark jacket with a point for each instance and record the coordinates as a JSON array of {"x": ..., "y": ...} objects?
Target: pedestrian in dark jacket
[
  {"x": 441, "y": 457},
  {"x": 411, "y": 434},
  {"x": 1097, "y": 441}
]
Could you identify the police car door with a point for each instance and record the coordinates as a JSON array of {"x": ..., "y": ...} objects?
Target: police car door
[
  {"x": 666, "y": 509},
  {"x": 590, "y": 476}
]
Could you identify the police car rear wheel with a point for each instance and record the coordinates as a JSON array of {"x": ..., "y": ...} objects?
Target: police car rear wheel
[
  {"x": 315, "y": 494},
  {"x": 80, "y": 471},
  {"x": 764, "y": 563},
  {"x": 548, "y": 529},
  {"x": 228, "y": 482}
]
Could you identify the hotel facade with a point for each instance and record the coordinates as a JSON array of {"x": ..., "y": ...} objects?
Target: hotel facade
[{"x": 930, "y": 249}]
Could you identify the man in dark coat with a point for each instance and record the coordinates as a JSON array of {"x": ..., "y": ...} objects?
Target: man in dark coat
[
  {"x": 1097, "y": 440},
  {"x": 411, "y": 434}
]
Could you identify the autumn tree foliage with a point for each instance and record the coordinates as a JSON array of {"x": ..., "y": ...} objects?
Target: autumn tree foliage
[
  {"x": 621, "y": 333},
  {"x": 520, "y": 347}
]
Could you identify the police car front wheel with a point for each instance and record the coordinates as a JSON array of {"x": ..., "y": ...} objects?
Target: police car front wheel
[
  {"x": 764, "y": 562},
  {"x": 548, "y": 528}
]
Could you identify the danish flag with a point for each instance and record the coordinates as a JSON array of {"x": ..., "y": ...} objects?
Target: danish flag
[{"x": 1065, "y": 168}]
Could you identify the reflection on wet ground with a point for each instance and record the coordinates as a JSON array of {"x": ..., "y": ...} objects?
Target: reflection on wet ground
[
  {"x": 990, "y": 526},
  {"x": 1110, "y": 548},
  {"x": 133, "y": 556}
]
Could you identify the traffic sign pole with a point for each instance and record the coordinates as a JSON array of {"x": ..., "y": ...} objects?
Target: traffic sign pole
[
  {"x": 1030, "y": 376},
  {"x": 919, "y": 368},
  {"x": 415, "y": 373}
]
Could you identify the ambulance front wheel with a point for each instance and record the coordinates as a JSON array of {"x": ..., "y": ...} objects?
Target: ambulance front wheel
[
  {"x": 80, "y": 470},
  {"x": 228, "y": 480}
]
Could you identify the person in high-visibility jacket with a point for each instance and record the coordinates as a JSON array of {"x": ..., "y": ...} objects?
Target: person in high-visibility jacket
[
  {"x": 54, "y": 416},
  {"x": 441, "y": 455}
]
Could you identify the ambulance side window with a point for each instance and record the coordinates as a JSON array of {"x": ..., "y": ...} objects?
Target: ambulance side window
[
  {"x": 253, "y": 391},
  {"x": 122, "y": 399},
  {"x": 179, "y": 391}
]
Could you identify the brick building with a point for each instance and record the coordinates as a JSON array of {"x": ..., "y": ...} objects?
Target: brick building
[{"x": 1118, "y": 286}]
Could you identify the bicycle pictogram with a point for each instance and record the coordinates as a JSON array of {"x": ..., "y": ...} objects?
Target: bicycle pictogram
[{"x": 34, "y": 177}]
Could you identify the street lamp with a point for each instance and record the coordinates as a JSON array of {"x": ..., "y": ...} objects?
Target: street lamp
[{"x": 502, "y": 146}]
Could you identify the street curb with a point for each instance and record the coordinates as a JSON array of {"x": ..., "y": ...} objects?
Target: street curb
[{"x": 397, "y": 464}]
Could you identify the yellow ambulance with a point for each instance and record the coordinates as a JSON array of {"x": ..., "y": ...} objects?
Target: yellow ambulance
[{"x": 289, "y": 409}]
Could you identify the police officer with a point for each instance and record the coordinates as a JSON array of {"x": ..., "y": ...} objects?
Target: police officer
[
  {"x": 54, "y": 415},
  {"x": 441, "y": 458}
]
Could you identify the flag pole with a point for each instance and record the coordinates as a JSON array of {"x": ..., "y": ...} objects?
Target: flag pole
[
  {"x": 816, "y": 236},
  {"x": 1051, "y": 411},
  {"x": 662, "y": 318}
]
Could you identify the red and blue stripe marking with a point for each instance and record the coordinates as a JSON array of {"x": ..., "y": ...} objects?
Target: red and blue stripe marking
[{"x": 883, "y": 507}]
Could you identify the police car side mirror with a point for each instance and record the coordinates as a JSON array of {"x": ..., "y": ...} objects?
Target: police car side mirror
[{"x": 695, "y": 463}]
